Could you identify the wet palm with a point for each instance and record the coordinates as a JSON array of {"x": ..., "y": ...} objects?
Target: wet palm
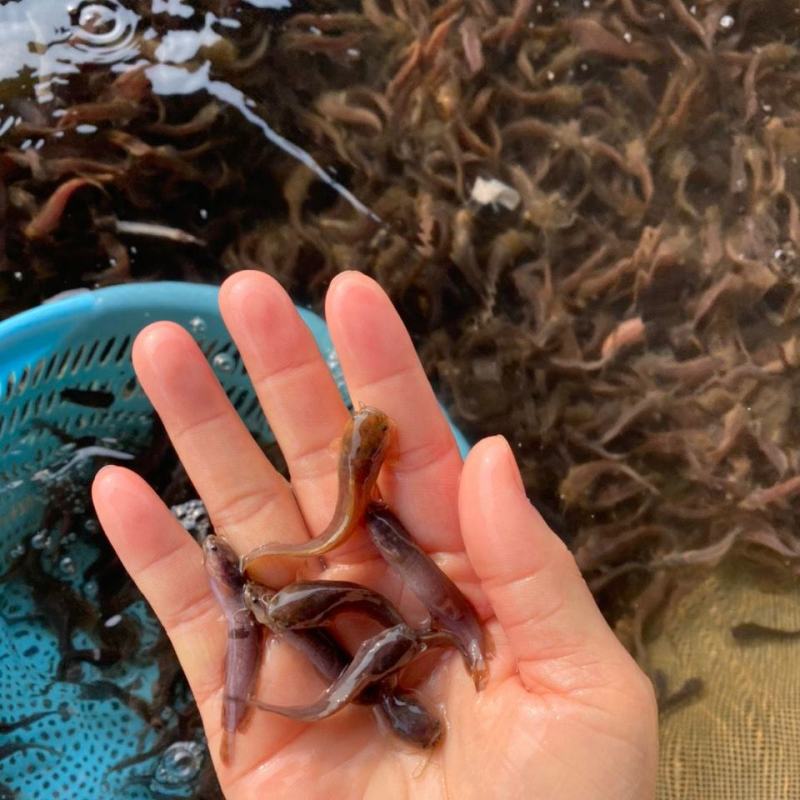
[{"x": 566, "y": 713}]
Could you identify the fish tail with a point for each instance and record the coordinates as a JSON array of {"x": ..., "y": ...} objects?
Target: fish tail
[{"x": 226, "y": 747}]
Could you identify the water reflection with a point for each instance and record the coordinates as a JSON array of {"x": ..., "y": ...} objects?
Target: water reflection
[
  {"x": 45, "y": 41},
  {"x": 47, "y": 38}
]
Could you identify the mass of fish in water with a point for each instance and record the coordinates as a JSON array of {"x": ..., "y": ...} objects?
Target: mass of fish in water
[
  {"x": 586, "y": 212},
  {"x": 80, "y": 592},
  {"x": 302, "y": 613}
]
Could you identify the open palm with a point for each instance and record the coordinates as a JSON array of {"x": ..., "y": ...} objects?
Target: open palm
[{"x": 566, "y": 712}]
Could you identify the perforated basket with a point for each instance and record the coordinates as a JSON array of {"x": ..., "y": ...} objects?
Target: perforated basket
[{"x": 83, "y": 341}]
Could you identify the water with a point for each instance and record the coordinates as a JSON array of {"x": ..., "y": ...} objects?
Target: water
[
  {"x": 628, "y": 317},
  {"x": 80, "y": 646}
]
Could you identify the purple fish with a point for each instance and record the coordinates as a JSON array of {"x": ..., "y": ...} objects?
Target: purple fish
[
  {"x": 449, "y": 609},
  {"x": 243, "y": 654}
]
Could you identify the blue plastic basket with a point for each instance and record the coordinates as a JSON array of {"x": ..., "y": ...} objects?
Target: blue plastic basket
[{"x": 83, "y": 341}]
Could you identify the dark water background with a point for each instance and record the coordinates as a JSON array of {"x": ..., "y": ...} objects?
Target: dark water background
[{"x": 587, "y": 212}]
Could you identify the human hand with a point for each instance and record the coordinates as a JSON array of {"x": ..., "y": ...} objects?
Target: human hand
[{"x": 566, "y": 712}]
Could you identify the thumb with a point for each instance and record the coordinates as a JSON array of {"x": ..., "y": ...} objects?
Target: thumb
[{"x": 555, "y": 630}]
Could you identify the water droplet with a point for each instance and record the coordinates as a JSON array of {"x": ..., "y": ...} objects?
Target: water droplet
[
  {"x": 17, "y": 276},
  {"x": 40, "y": 539},
  {"x": 223, "y": 362},
  {"x": 197, "y": 325},
  {"x": 67, "y": 566},
  {"x": 551, "y": 76},
  {"x": 180, "y": 763},
  {"x": 91, "y": 526},
  {"x": 726, "y": 22},
  {"x": 17, "y": 550},
  {"x": 112, "y": 622}
]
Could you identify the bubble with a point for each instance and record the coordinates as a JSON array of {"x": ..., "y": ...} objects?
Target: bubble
[
  {"x": 105, "y": 31},
  {"x": 223, "y": 362},
  {"x": 335, "y": 367},
  {"x": 726, "y": 22},
  {"x": 17, "y": 550},
  {"x": 197, "y": 325},
  {"x": 91, "y": 526},
  {"x": 41, "y": 539},
  {"x": 113, "y": 621},
  {"x": 181, "y": 762},
  {"x": 194, "y": 517},
  {"x": 785, "y": 257},
  {"x": 627, "y": 37},
  {"x": 67, "y": 565},
  {"x": 91, "y": 589}
]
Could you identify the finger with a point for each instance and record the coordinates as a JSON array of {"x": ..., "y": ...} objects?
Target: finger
[
  {"x": 382, "y": 369},
  {"x": 554, "y": 628},
  {"x": 299, "y": 397},
  {"x": 246, "y": 497},
  {"x": 167, "y": 566}
]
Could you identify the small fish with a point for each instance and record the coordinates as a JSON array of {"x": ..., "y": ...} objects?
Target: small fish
[
  {"x": 313, "y": 604},
  {"x": 753, "y": 632},
  {"x": 8, "y": 727},
  {"x": 690, "y": 690},
  {"x": 91, "y": 398},
  {"x": 376, "y": 659},
  {"x": 243, "y": 653},
  {"x": 364, "y": 444},
  {"x": 446, "y": 604},
  {"x": 9, "y": 749},
  {"x": 156, "y": 231},
  {"x": 402, "y": 710}
]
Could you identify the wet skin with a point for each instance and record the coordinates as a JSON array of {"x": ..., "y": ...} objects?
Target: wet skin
[
  {"x": 376, "y": 659},
  {"x": 446, "y": 604},
  {"x": 403, "y": 711},
  {"x": 243, "y": 653},
  {"x": 364, "y": 445}
]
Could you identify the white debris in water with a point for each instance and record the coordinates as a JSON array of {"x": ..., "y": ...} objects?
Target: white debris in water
[
  {"x": 727, "y": 22},
  {"x": 495, "y": 193}
]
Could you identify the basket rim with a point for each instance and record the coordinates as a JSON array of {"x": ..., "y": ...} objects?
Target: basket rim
[
  {"x": 34, "y": 328},
  {"x": 149, "y": 295}
]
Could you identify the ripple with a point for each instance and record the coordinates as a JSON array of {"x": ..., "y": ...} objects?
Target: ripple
[{"x": 105, "y": 32}]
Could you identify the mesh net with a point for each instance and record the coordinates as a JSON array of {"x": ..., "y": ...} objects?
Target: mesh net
[{"x": 739, "y": 736}]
